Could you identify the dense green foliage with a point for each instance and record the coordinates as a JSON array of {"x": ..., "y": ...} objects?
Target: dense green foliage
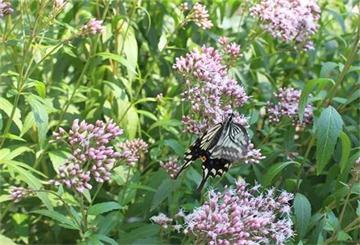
[{"x": 51, "y": 73}]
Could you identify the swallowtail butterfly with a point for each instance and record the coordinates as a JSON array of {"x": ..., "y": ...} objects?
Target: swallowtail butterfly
[{"x": 218, "y": 148}]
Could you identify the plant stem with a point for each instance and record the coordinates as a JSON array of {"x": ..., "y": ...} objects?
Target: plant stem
[{"x": 349, "y": 60}]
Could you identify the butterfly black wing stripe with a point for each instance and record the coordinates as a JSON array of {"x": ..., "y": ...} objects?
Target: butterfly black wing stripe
[
  {"x": 199, "y": 148},
  {"x": 212, "y": 168},
  {"x": 234, "y": 145}
]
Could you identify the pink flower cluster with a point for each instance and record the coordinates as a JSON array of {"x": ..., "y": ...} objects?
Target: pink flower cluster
[
  {"x": 212, "y": 93},
  {"x": 92, "y": 156},
  {"x": 171, "y": 167},
  {"x": 93, "y": 27},
  {"x": 253, "y": 155},
  {"x": 287, "y": 106},
  {"x": 131, "y": 150},
  {"x": 198, "y": 14},
  {"x": 5, "y": 8},
  {"x": 289, "y": 20},
  {"x": 242, "y": 216},
  {"x": 231, "y": 49},
  {"x": 162, "y": 220},
  {"x": 19, "y": 193}
]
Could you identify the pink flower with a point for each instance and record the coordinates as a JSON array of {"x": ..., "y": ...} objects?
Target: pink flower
[
  {"x": 19, "y": 193},
  {"x": 287, "y": 106},
  {"x": 210, "y": 90},
  {"x": 131, "y": 150},
  {"x": 92, "y": 155},
  {"x": 93, "y": 27},
  {"x": 171, "y": 167},
  {"x": 161, "y": 219},
  {"x": 289, "y": 20},
  {"x": 242, "y": 216},
  {"x": 201, "y": 16},
  {"x": 5, "y": 8}
]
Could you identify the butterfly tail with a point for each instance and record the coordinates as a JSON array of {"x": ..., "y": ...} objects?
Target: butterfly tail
[
  {"x": 206, "y": 175},
  {"x": 185, "y": 165}
]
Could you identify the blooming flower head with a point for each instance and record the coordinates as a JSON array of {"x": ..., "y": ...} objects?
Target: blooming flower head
[
  {"x": 131, "y": 150},
  {"x": 19, "y": 193},
  {"x": 289, "y": 20},
  {"x": 92, "y": 155},
  {"x": 171, "y": 167},
  {"x": 93, "y": 27},
  {"x": 5, "y": 8},
  {"x": 287, "y": 106},
  {"x": 230, "y": 49},
  {"x": 242, "y": 215},
  {"x": 212, "y": 93},
  {"x": 198, "y": 14},
  {"x": 161, "y": 219}
]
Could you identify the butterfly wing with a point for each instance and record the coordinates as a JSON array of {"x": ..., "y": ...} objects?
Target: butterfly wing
[
  {"x": 213, "y": 167},
  {"x": 234, "y": 145},
  {"x": 200, "y": 147}
]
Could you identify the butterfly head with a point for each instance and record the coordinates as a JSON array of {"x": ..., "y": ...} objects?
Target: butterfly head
[{"x": 229, "y": 118}]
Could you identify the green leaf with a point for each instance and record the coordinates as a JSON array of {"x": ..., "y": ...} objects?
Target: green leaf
[
  {"x": 104, "y": 207},
  {"x": 161, "y": 194},
  {"x": 274, "y": 171},
  {"x": 33, "y": 182},
  {"x": 345, "y": 151},
  {"x": 343, "y": 236},
  {"x": 6, "y": 241},
  {"x": 1, "y": 122},
  {"x": 302, "y": 209},
  {"x": 28, "y": 123},
  {"x": 16, "y": 152},
  {"x": 40, "y": 115},
  {"x": 358, "y": 209},
  {"x": 176, "y": 146},
  {"x": 118, "y": 58},
  {"x": 7, "y": 107},
  {"x": 310, "y": 87},
  {"x": 58, "y": 158},
  {"x": 106, "y": 239},
  {"x": 62, "y": 219},
  {"x": 328, "y": 129}
]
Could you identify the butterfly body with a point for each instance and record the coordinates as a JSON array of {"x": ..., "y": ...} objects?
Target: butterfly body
[{"x": 217, "y": 148}]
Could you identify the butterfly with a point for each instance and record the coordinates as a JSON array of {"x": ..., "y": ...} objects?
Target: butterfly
[{"x": 218, "y": 148}]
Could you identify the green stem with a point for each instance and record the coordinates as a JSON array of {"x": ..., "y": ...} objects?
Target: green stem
[
  {"x": 125, "y": 185},
  {"x": 97, "y": 192},
  {"x": 83, "y": 215},
  {"x": 350, "y": 58}
]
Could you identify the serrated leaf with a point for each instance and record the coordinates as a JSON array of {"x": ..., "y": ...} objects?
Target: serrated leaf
[
  {"x": 310, "y": 86},
  {"x": 104, "y": 207},
  {"x": 328, "y": 129},
  {"x": 345, "y": 151},
  {"x": 302, "y": 212}
]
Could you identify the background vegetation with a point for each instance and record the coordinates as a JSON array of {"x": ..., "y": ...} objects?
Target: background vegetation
[{"x": 53, "y": 72}]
